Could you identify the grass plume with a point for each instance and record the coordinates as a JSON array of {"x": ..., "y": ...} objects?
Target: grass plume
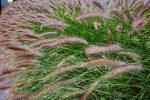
[
  {"x": 95, "y": 49},
  {"x": 52, "y": 87}
]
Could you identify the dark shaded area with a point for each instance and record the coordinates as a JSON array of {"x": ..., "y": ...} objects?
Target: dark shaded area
[
  {"x": 0, "y": 7},
  {"x": 3, "y": 3}
]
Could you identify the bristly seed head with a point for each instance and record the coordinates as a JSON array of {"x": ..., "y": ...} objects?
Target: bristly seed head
[{"x": 96, "y": 49}]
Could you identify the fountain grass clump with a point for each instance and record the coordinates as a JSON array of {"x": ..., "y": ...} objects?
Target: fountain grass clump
[{"x": 84, "y": 50}]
